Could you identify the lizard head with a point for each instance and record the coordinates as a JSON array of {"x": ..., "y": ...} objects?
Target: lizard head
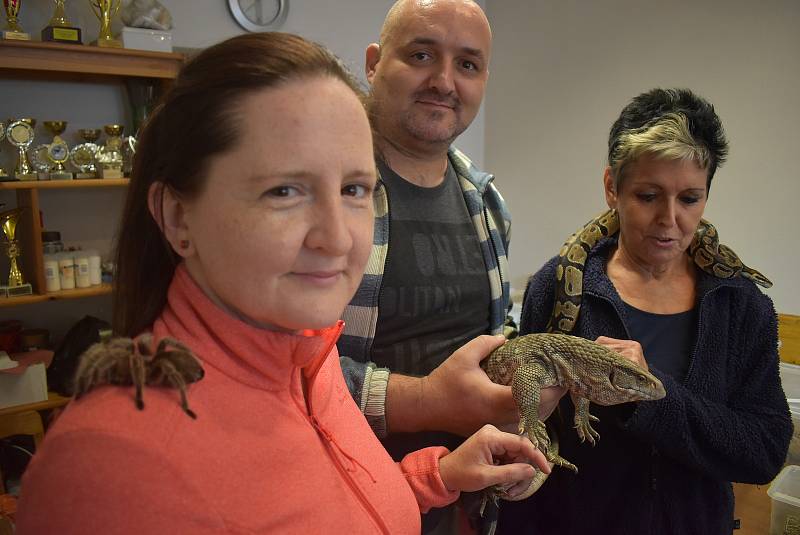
[{"x": 633, "y": 383}]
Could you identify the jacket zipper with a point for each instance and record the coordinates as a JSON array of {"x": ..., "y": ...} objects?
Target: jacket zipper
[
  {"x": 360, "y": 496},
  {"x": 329, "y": 445}
]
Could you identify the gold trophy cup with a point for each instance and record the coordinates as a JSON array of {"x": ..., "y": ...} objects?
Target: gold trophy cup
[
  {"x": 59, "y": 28},
  {"x": 105, "y": 10},
  {"x": 20, "y": 134},
  {"x": 13, "y": 29},
  {"x": 58, "y": 151},
  {"x": 110, "y": 155},
  {"x": 83, "y": 155},
  {"x": 16, "y": 283}
]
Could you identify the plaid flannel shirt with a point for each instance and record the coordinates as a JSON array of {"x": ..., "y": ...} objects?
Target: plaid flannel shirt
[{"x": 487, "y": 209}]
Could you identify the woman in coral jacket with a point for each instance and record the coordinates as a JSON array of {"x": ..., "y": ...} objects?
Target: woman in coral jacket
[{"x": 246, "y": 229}]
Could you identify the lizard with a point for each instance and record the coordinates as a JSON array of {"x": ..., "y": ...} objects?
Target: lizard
[{"x": 588, "y": 370}]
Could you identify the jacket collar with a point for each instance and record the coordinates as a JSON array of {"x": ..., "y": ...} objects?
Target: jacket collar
[{"x": 251, "y": 355}]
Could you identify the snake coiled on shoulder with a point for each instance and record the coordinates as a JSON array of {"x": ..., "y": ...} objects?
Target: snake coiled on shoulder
[{"x": 706, "y": 251}]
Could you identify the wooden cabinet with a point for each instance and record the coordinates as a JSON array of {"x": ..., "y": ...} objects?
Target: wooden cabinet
[{"x": 33, "y": 60}]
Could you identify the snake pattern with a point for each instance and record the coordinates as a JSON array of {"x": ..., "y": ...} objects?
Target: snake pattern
[{"x": 706, "y": 251}]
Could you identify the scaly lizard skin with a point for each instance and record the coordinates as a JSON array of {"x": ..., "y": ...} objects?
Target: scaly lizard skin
[{"x": 591, "y": 373}]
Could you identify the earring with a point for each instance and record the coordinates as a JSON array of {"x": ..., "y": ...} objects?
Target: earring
[{"x": 184, "y": 244}]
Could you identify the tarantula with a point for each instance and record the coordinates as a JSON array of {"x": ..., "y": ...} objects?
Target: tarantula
[{"x": 123, "y": 361}]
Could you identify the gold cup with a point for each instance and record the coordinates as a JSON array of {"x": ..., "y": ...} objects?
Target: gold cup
[
  {"x": 59, "y": 28},
  {"x": 16, "y": 283},
  {"x": 110, "y": 155},
  {"x": 105, "y": 10},
  {"x": 13, "y": 29},
  {"x": 58, "y": 151},
  {"x": 83, "y": 155}
]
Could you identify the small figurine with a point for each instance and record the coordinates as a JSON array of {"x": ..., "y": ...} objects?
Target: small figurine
[{"x": 146, "y": 14}]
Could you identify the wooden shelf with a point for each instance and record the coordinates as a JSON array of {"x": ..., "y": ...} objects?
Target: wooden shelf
[
  {"x": 37, "y": 57},
  {"x": 65, "y": 184},
  {"x": 103, "y": 289}
]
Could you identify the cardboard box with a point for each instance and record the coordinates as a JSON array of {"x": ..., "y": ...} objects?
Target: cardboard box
[
  {"x": 30, "y": 386},
  {"x": 790, "y": 380},
  {"x": 785, "y": 494},
  {"x": 146, "y": 39}
]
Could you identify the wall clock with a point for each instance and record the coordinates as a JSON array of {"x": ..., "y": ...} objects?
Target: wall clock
[{"x": 259, "y": 15}]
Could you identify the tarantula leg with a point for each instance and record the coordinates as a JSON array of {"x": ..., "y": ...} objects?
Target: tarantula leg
[
  {"x": 144, "y": 344},
  {"x": 174, "y": 377},
  {"x": 137, "y": 377}
]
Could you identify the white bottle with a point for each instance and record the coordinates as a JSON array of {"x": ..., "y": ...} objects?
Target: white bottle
[
  {"x": 52, "y": 278},
  {"x": 66, "y": 268},
  {"x": 95, "y": 272},
  {"x": 82, "y": 269}
]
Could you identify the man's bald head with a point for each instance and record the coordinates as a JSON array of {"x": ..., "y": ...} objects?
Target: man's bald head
[{"x": 403, "y": 10}]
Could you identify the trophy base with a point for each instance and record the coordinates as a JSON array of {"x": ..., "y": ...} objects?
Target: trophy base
[
  {"x": 26, "y": 176},
  {"x": 16, "y": 291},
  {"x": 62, "y": 34},
  {"x": 108, "y": 43},
  {"x": 111, "y": 173},
  {"x": 60, "y": 175},
  {"x": 19, "y": 36},
  {"x": 81, "y": 176}
]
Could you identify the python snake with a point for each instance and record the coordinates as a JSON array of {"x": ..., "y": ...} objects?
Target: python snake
[{"x": 706, "y": 251}]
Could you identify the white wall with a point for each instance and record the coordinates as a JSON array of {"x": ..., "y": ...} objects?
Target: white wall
[{"x": 563, "y": 69}]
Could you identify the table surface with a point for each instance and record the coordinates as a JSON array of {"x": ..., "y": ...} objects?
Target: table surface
[
  {"x": 752, "y": 508},
  {"x": 53, "y": 400}
]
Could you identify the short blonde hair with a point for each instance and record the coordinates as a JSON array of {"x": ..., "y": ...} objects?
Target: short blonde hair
[
  {"x": 673, "y": 124},
  {"x": 669, "y": 138}
]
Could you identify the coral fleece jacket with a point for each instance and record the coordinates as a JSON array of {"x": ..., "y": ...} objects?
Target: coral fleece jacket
[{"x": 258, "y": 459}]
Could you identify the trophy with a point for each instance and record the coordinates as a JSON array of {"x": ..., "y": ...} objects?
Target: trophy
[
  {"x": 16, "y": 284},
  {"x": 58, "y": 151},
  {"x": 128, "y": 152},
  {"x": 41, "y": 162},
  {"x": 105, "y": 10},
  {"x": 83, "y": 155},
  {"x": 20, "y": 134},
  {"x": 3, "y": 174},
  {"x": 13, "y": 29},
  {"x": 110, "y": 155},
  {"x": 59, "y": 29}
]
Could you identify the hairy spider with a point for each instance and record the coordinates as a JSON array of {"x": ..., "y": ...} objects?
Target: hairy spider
[{"x": 123, "y": 361}]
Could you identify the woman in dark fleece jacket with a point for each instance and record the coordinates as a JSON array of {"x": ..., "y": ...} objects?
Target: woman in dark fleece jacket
[{"x": 663, "y": 467}]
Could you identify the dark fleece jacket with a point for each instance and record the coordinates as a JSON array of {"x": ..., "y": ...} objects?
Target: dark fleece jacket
[{"x": 665, "y": 467}]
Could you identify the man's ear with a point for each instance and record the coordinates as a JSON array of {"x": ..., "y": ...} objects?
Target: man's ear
[
  {"x": 373, "y": 56},
  {"x": 609, "y": 188},
  {"x": 169, "y": 213}
]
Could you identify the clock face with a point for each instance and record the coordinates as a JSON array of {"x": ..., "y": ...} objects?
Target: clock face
[
  {"x": 58, "y": 152},
  {"x": 259, "y": 15}
]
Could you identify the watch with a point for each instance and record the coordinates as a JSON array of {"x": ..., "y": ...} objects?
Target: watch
[{"x": 259, "y": 15}]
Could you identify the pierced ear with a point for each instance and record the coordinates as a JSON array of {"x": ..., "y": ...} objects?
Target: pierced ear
[
  {"x": 609, "y": 188},
  {"x": 373, "y": 56},
  {"x": 169, "y": 214}
]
